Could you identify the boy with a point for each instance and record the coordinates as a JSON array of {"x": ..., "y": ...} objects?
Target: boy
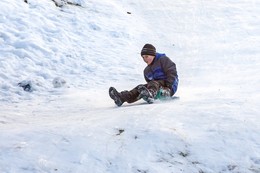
[{"x": 161, "y": 77}]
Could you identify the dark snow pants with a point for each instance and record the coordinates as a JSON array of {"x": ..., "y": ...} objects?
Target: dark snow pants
[{"x": 133, "y": 95}]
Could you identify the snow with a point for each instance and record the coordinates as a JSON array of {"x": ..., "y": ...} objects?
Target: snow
[{"x": 72, "y": 55}]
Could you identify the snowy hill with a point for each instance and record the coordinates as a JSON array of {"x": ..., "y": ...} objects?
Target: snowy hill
[{"x": 71, "y": 55}]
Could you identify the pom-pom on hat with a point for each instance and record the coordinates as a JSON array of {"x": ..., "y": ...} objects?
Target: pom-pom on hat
[{"x": 148, "y": 49}]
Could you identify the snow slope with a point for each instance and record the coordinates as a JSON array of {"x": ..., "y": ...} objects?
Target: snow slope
[{"x": 212, "y": 126}]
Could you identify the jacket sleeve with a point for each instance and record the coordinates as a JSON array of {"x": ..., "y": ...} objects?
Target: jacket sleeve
[
  {"x": 145, "y": 74},
  {"x": 169, "y": 68},
  {"x": 146, "y": 79}
]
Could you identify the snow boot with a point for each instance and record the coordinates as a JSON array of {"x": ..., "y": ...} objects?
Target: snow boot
[
  {"x": 146, "y": 94},
  {"x": 115, "y": 95}
]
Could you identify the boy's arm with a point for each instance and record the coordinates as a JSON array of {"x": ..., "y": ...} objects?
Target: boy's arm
[{"x": 169, "y": 68}]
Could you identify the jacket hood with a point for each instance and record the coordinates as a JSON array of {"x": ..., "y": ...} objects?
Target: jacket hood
[{"x": 159, "y": 55}]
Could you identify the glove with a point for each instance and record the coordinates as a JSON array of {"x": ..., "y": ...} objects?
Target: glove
[{"x": 163, "y": 93}]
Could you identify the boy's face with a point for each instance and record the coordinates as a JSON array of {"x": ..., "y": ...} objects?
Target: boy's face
[{"x": 148, "y": 59}]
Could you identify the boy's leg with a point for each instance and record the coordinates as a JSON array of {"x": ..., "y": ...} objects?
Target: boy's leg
[
  {"x": 124, "y": 96},
  {"x": 145, "y": 94},
  {"x": 154, "y": 90},
  {"x": 153, "y": 87},
  {"x": 149, "y": 91},
  {"x": 159, "y": 89},
  {"x": 136, "y": 93},
  {"x": 130, "y": 96}
]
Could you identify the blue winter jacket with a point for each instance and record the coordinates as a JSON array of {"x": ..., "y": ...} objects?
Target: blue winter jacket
[{"x": 162, "y": 69}]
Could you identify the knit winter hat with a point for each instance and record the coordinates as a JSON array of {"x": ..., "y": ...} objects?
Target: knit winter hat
[{"x": 148, "y": 49}]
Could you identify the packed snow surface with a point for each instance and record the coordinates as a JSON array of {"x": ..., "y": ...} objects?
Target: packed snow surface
[{"x": 57, "y": 63}]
